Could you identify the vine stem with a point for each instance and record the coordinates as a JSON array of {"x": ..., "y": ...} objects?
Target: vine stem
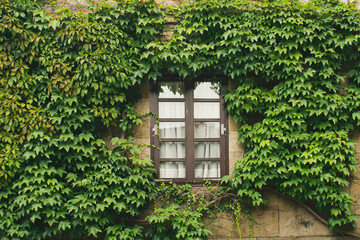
[
  {"x": 310, "y": 210},
  {"x": 218, "y": 199}
]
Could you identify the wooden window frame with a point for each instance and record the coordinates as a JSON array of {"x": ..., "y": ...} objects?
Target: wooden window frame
[{"x": 189, "y": 131}]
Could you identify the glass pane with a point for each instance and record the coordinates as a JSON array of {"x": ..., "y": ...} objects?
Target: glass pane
[
  {"x": 171, "y": 89},
  {"x": 206, "y": 110},
  {"x": 206, "y": 90},
  {"x": 207, "y": 149},
  {"x": 172, "y": 129},
  {"x": 206, "y": 169},
  {"x": 207, "y": 130},
  {"x": 172, "y": 170},
  {"x": 172, "y": 150},
  {"x": 171, "y": 110}
]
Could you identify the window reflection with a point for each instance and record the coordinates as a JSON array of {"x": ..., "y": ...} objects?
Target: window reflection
[
  {"x": 171, "y": 89},
  {"x": 207, "y": 90}
]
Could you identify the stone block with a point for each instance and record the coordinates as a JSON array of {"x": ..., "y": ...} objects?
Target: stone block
[
  {"x": 168, "y": 3},
  {"x": 168, "y": 32},
  {"x": 234, "y": 146},
  {"x": 144, "y": 90},
  {"x": 222, "y": 226},
  {"x": 299, "y": 222},
  {"x": 277, "y": 201},
  {"x": 289, "y": 238},
  {"x": 73, "y": 5},
  {"x": 233, "y": 126},
  {"x": 144, "y": 149},
  {"x": 141, "y": 130},
  {"x": 143, "y": 106},
  {"x": 266, "y": 222},
  {"x": 355, "y": 191},
  {"x": 233, "y": 157}
]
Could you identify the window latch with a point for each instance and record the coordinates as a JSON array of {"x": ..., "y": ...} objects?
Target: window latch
[
  {"x": 154, "y": 130},
  {"x": 223, "y": 129}
]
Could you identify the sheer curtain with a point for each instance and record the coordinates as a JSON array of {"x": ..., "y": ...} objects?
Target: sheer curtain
[
  {"x": 172, "y": 170},
  {"x": 206, "y": 169},
  {"x": 207, "y": 130},
  {"x": 206, "y": 110},
  {"x": 207, "y": 149},
  {"x": 171, "y": 110},
  {"x": 172, "y": 130}
]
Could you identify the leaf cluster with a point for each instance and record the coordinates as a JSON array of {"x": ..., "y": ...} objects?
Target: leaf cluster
[
  {"x": 65, "y": 77},
  {"x": 180, "y": 214}
]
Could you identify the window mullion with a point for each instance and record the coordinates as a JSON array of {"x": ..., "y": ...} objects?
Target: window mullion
[
  {"x": 223, "y": 137},
  {"x": 190, "y": 164},
  {"x": 153, "y": 124}
]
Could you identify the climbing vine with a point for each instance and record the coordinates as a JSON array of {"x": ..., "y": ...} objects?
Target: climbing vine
[
  {"x": 295, "y": 92},
  {"x": 294, "y": 70},
  {"x": 64, "y": 78}
]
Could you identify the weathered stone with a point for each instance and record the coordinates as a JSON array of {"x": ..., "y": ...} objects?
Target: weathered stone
[
  {"x": 233, "y": 126},
  {"x": 142, "y": 130},
  {"x": 168, "y": 32},
  {"x": 73, "y": 5},
  {"x": 142, "y": 106}
]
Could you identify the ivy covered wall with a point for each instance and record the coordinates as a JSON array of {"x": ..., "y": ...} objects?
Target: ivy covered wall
[{"x": 66, "y": 76}]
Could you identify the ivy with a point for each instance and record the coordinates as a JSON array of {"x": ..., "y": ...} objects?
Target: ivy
[
  {"x": 66, "y": 76},
  {"x": 295, "y": 88},
  {"x": 179, "y": 214}
]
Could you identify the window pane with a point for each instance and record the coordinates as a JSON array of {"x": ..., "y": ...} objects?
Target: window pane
[
  {"x": 206, "y": 110},
  {"x": 171, "y": 89},
  {"x": 206, "y": 90},
  {"x": 207, "y": 130},
  {"x": 207, "y": 149},
  {"x": 172, "y": 150},
  {"x": 171, "y": 110},
  {"x": 172, "y": 129},
  {"x": 172, "y": 170},
  {"x": 206, "y": 169}
]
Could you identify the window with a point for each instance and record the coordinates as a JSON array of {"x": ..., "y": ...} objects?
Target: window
[{"x": 190, "y": 139}]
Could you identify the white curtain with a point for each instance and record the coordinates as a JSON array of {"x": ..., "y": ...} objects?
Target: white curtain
[
  {"x": 207, "y": 130},
  {"x": 171, "y": 110},
  {"x": 207, "y": 169},
  {"x": 172, "y": 129},
  {"x": 207, "y": 149},
  {"x": 206, "y": 110},
  {"x": 172, "y": 150},
  {"x": 172, "y": 170}
]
